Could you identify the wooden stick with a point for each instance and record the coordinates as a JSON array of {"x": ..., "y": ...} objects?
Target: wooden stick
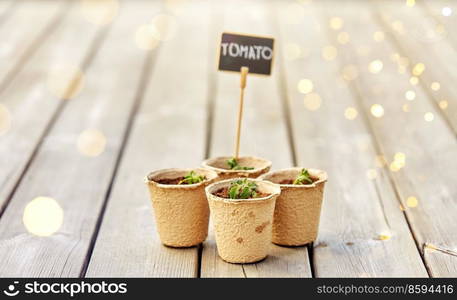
[{"x": 244, "y": 74}]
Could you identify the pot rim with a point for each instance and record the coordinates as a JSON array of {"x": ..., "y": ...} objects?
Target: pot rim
[
  {"x": 323, "y": 177},
  {"x": 205, "y": 164},
  {"x": 250, "y": 200},
  {"x": 148, "y": 180}
]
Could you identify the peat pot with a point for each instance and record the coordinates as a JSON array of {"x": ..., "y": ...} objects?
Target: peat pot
[
  {"x": 181, "y": 210},
  {"x": 243, "y": 226},
  {"x": 219, "y": 165},
  {"x": 298, "y": 208}
]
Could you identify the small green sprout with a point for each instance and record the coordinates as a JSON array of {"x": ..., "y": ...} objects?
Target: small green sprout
[
  {"x": 191, "y": 178},
  {"x": 242, "y": 189},
  {"x": 233, "y": 164},
  {"x": 303, "y": 177}
]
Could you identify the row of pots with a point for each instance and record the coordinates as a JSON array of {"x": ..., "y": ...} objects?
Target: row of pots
[{"x": 244, "y": 228}]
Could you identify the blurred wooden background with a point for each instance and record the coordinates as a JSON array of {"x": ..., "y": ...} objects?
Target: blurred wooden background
[{"x": 94, "y": 94}]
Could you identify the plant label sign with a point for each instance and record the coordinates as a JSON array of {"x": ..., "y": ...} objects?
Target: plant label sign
[{"x": 238, "y": 51}]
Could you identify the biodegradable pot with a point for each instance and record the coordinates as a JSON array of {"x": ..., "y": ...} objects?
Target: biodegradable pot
[
  {"x": 219, "y": 165},
  {"x": 181, "y": 211},
  {"x": 298, "y": 208},
  {"x": 243, "y": 226}
]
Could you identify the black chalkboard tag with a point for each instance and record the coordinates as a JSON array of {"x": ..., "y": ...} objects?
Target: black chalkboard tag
[{"x": 254, "y": 52}]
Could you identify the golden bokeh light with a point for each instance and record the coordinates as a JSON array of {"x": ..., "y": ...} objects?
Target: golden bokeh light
[
  {"x": 372, "y": 174},
  {"x": 400, "y": 157},
  {"x": 91, "y": 142},
  {"x": 5, "y": 119},
  {"x": 443, "y": 104},
  {"x": 292, "y": 51},
  {"x": 398, "y": 162},
  {"x": 384, "y": 236},
  {"x": 435, "y": 86},
  {"x": 343, "y": 38},
  {"x": 446, "y": 11},
  {"x": 412, "y": 202},
  {"x": 43, "y": 216},
  {"x": 336, "y": 23},
  {"x": 350, "y": 113},
  {"x": 305, "y": 86},
  {"x": 428, "y": 117},
  {"x": 99, "y": 12},
  {"x": 405, "y": 107},
  {"x": 312, "y": 101},
  {"x": 410, "y": 3},
  {"x": 177, "y": 7},
  {"x": 414, "y": 80},
  {"x": 378, "y": 36},
  {"x": 380, "y": 161},
  {"x": 410, "y": 95},
  {"x": 418, "y": 69},
  {"x": 166, "y": 26},
  {"x": 329, "y": 52},
  {"x": 377, "y": 110},
  {"x": 375, "y": 66},
  {"x": 65, "y": 81},
  {"x": 350, "y": 72},
  {"x": 147, "y": 37},
  {"x": 398, "y": 27}
]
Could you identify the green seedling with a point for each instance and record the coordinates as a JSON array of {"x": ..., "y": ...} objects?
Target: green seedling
[
  {"x": 303, "y": 177},
  {"x": 233, "y": 165},
  {"x": 242, "y": 189},
  {"x": 191, "y": 178}
]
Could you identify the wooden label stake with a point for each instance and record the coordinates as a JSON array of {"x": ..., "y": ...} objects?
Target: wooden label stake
[
  {"x": 245, "y": 54},
  {"x": 244, "y": 74}
]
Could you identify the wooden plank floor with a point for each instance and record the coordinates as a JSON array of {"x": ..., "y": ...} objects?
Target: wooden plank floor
[{"x": 90, "y": 102}]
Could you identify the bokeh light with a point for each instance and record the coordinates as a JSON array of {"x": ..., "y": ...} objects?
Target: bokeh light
[
  {"x": 99, "y": 12},
  {"x": 350, "y": 113},
  {"x": 329, "y": 52},
  {"x": 43, "y": 216},
  {"x": 65, "y": 81},
  {"x": 410, "y": 3},
  {"x": 377, "y": 110},
  {"x": 410, "y": 95},
  {"x": 443, "y": 104},
  {"x": 147, "y": 37},
  {"x": 336, "y": 23},
  {"x": 418, "y": 69},
  {"x": 428, "y": 117},
  {"x": 435, "y": 86},
  {"x": 414, "y": 80},
  {"x": 91, "y": 142},
  {"x": 343, "y": 38},
  {"x": 412, "y": 202},
  {"x": 305, "y": 86},
  {"x": 312, "y": 101},
  {"x": 375, "y": 66},
  {"x": 446, "y": 11},
  {"x": 350, "y": 72},
  {"x": 378, "y": 36}
]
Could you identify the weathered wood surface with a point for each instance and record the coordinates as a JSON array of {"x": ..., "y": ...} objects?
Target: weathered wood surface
[
  {"x": 419, "y": 133},
  {"x": 431, "y": 40},
  {"x": 169, "y": 107},
  {"x": 325, "y": 139},
  {"x": 76, "y": 181},
  {"x": 171, "y": 119},
  {"x": 263, "y": 113},
  {"x": 30, "y": 102}
]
